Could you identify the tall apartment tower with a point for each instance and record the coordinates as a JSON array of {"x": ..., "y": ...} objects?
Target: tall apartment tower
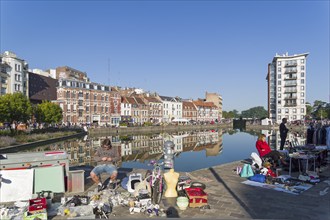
[
  {"x": 14, "y": 74},
  {"x": 287, "y": 87}
]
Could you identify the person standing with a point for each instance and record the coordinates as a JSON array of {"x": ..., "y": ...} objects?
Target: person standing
[
  {"x": 283, "y": 132},
  {"x": 106, "y": 157}
]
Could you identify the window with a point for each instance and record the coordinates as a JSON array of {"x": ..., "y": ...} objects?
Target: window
[
  {"x": 279, "y": 69},
  {"x": 279, "y": 63},
  {"x": 106, "y": 98},
  {"x": 95, "y": 96},
  {"x": 279, "y": 76},
  {"x": 87, "y": 108},
  {"x": 302, "y": 87},
  {"x": 302, "y": 94},
  {"x": 294, "y": 117},
  {"x": 80, "y": 102},
  {"x": 279, "y": 89},
  {"x": 279, "y": 102},
  {"x": 279, "y": 95},
  {"x": 67, "y": 94},
  {"x": 279, "y": 117},
  {"x": 302, "y": 74},
  {"x": 80, "y": 112},
  {"x": 302, "y": 101},
  {"x": 95, "y": 108},
  {"x": 302, "y": 81},
  {"x": 302, "y": 110},
  {"x": 294, "y": 110},
  {"x": 286, "y": 110},
  {"x": 302, "y": 61},
  {"x": 302, "y": 68},
  {"x": 279, "y": 110},
  {"x": 279, "y": 82},
  {"x": 87, "y": 95}
]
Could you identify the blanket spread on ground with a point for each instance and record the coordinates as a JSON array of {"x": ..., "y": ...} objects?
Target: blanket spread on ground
[{"x": 296, "y": 190}]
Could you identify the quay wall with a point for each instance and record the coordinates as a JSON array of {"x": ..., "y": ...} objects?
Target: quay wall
[{"x": 154, "y": 129}]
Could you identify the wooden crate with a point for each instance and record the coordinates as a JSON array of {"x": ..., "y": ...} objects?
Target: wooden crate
[{"x": 197, "y": 197}]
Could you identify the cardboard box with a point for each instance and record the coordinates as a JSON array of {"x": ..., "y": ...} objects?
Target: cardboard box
[{"x": 197, "y": 197}]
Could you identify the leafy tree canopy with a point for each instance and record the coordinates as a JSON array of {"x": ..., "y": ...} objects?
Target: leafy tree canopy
[
  {"x": 48, "y": 112},
  {"x": 15, "y": 107},
  {"x": 255, "y": 112}
]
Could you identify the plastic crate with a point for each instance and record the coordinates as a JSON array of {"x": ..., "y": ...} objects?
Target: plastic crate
[
  {"x": 37, "y": 204},
  {"x": 76, "y": 181},
  {"x": 197, "y": 197}
]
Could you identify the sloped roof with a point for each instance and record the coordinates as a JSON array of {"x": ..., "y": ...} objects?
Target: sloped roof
[
  {"x": 42, "y": 88},
  {"x": 140, "y": 101},
  {"x": 168, "y": 99},
  {"x": 204, "y": 104},
  {"x": 152, "y": 99},
  {"x": 188, "y": 104},
  {"x": 130, "y": 100}
]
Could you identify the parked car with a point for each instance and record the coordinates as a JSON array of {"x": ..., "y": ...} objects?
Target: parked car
[{"x": 193, "y": 122}]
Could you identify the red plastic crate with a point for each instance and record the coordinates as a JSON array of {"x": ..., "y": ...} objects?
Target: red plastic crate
[
  {"x": 37, "y": 204},
  {"x": 197, "y": 197}
]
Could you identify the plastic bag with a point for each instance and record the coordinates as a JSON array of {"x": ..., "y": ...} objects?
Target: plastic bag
[{"x": 247, "y": 171}]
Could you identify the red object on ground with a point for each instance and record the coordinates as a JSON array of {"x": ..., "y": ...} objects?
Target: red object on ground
[
  {"x": 37, "y": 204},
  {"x": 197, "y": 197}
]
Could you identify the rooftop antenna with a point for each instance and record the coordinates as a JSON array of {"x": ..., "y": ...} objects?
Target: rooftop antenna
[{"x": 109, "y": 71}]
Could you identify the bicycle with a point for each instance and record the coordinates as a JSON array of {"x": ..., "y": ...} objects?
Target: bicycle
[{"x": 155, "y": 179}]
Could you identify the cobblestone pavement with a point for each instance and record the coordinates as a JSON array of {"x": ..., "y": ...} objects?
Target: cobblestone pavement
[{"x": 230, "y": 199}]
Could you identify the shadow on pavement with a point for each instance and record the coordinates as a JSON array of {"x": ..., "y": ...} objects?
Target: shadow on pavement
[{"x": 247, "y": 209}]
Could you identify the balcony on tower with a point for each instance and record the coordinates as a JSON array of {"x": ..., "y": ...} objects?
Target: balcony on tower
[
  {"x": 290, "y": 70},
  {"x": 290, "y": 63}
]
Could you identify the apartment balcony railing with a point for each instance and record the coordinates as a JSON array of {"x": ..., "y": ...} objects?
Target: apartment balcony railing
[
  {"x": 291, "y": 71},
  {"x": 290, "y": 98},
  {"x": 288, "y": 90},
  {"x": 292, "y": 78},
  {"x": 290, "y": 105},
  {"x": 290, "y": 84},
  {"x": 290, "y": 64}
]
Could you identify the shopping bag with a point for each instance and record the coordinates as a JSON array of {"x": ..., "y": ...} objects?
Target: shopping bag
[{"x": 247, "y": 171}]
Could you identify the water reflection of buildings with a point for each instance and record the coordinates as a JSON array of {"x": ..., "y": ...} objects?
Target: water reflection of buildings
[
  {"x": 274, "y": 139},
  {"x": 140, "y": 147},
  {"x": 210, "y": 141}
]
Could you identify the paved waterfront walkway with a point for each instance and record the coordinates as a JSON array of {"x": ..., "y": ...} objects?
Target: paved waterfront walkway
[{"x": 230, "y": 199}]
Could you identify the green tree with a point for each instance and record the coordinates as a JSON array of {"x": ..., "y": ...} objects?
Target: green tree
[
  {"x": 320, "y": 110},
  {"x": 15, "y": 107},
  {"x": 255, "y": 112},
  {"x": 48, "y": 112}
]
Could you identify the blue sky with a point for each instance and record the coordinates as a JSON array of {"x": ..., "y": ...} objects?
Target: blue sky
[{"x": 176, "y": 48}]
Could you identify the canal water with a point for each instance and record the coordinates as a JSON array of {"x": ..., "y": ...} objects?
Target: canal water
[{"x": 192, "y": 150}]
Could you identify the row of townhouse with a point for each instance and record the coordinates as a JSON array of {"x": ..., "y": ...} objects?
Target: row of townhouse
[{"x": 85, "y": 102}]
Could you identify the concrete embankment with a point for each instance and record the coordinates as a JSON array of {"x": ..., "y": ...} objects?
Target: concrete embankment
[
  {"x": 177, "y": 128},
  {"x": 155, "y": 129},
  {"x": 295, "y": 128},
  {"x": 16, "y": 148}
]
